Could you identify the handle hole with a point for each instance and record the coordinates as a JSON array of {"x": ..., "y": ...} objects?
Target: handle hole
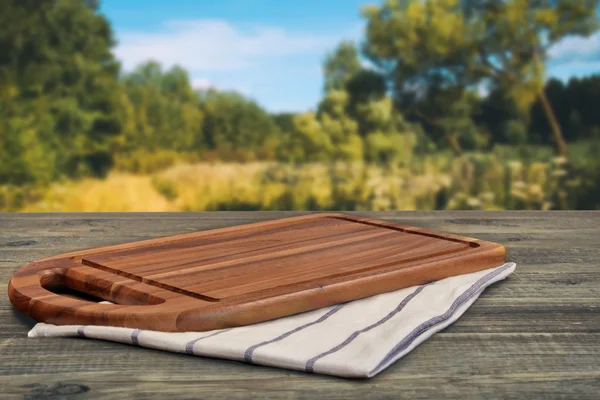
[{"x": 63, "y": 290}]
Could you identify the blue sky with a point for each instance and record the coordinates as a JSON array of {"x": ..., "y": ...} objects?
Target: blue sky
[{"x": 270, "y": 50}]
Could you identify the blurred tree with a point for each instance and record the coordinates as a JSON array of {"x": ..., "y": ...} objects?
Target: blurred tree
[
  {"x": 503, "y": 120},
  {"x": 417, "y": 46},
  {"x": 163, "y": 111},
  {"x": 555, "y": 92},
  {"x": 449, "y": 46},
  {"x": 389, "y": 137},
  {"x": 235, "y": 123},
  {"x": 575, "y": 104},
  {"x": 60, "y": 100},
  {"x": 340, "y": 66},
  {"x": 583, "y": 95},
  {"x": 514, "y": 132},
  {"x": 343, "y": 72},
  {"x": 355, "y": 105},
  {"x": 285, "y": 121},
  {"x": 308, "y": 142},
  {"x": 575, "y": 110},
  {"x": 365, "y": 87},
  {"x": 339, "y": 127}
]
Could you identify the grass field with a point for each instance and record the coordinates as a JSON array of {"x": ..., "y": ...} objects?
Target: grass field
[{"x": 503, "y": 179}]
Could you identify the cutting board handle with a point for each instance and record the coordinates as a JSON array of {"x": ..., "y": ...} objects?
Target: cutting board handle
[{"x": 31, "y": 290}]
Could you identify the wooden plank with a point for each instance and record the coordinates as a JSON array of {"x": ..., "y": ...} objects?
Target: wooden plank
[
  {"x": 498, "y": 365},
  {"x": 534, "y": 335}
]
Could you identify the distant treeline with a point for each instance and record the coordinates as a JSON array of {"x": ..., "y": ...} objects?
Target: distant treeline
[
  {"x": 576, "y": 104},
  {"x": 68, "y": 110}
]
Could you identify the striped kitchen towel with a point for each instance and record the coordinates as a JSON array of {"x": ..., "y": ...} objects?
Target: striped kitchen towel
[{"x": 357, "y": 339}]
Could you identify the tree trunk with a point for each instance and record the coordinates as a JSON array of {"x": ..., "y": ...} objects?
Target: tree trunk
[
  {"x": 561, "y": 146},
  {"x": 451, "y": 140},
  {"x": 453, "y": 143}
]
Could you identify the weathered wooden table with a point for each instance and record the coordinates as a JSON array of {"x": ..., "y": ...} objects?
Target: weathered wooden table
[{"x": 534, "y": 335}]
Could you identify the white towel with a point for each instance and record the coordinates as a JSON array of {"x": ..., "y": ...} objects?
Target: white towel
[{"x": 357, "y": 339}]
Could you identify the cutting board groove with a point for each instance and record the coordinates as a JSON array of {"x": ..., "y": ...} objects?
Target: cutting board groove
[
  {"x": 246, "y": 274},
  {"x": 147, "y": 281}
]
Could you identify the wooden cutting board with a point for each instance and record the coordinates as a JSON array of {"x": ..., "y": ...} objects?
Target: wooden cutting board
[{"x": 242, "y": 275}]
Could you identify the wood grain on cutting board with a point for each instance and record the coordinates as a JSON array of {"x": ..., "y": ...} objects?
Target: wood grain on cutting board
[{"x": 245, "y": 274}]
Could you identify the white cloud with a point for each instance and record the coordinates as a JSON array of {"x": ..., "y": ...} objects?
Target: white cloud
[
  {"x": 280, "y": 68},
  {"x": 575, "y": 57},
  {"x": 576, "y": 49},
  {"x": 215, "y": 45},
  {"x": 237, "y": 86},
  {"x": 202, "y": 83}
]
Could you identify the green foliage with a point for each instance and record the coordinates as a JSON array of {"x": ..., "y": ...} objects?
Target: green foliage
[
  {"x": 166, "y": 188},
  {"x": 341, "y": 66},
  {"x": 162, "y": 110},
  {"x": 285, "y": 121},
  {"x": 308, "y": 141},
  {"x": 435, "y": 52},
  {"x": 380, "y": 138},
  {"x": 389, "y": 149},
  {"x": 496, "y": 180},
  {"x": 514, "y": 132},
  {"x": 355, "y": 120},
  {"x": 60, "y": 99},
  {"x": 576, "y": 109},
  {"x": 142, "y": 161},
  {"x": 15, "y": 197},
  {"x": 420, "y": 47},
  {"x": 235, "y": 123}
]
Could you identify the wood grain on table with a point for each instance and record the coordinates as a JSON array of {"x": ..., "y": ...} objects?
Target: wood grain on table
[{"x": 534, "y": 335}]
